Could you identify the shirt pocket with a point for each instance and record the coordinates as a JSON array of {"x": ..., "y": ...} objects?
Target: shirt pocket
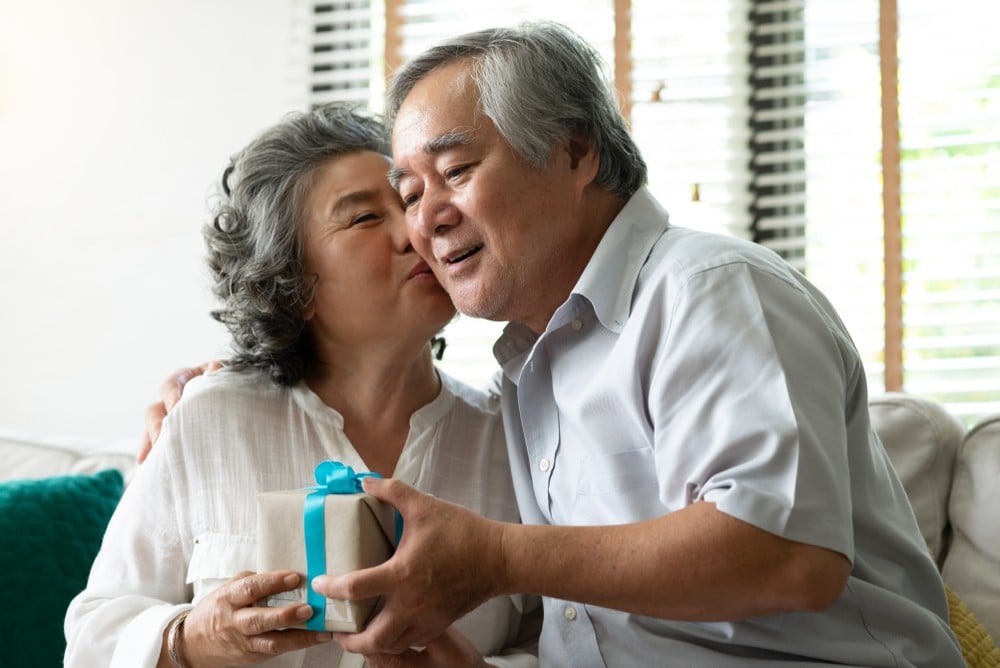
[
  {"x": 217, "y": 557},
  {"x": 617, "y": 488}
]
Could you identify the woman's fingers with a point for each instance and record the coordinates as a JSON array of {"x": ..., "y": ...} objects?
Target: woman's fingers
[
  {"x": 252, "y": 621},
  {"x": 273, "y": 643},
  {"x": 229, "y": 627},
  {"x": 246, "y": 588}
]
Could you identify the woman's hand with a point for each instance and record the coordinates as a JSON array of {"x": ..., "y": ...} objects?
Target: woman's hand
[
  {"x": 226, "y": 629},
  {"x": 450, "y": 650}
]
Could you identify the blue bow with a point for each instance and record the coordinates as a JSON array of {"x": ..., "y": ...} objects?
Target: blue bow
[{"x": 333, "y": 478}]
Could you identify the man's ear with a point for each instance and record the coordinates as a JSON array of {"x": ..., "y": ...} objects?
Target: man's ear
[
  {"x": 578, "y": 149},
  {"x": 583, "y": 159}
]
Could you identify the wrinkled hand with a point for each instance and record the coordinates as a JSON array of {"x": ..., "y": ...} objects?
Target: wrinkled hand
[
  {"x": 170, "y": 394},
  {"x": 451, "y": 650},
  {"x": 225, "y": 629},
  {"x": 449, "y": 561}
]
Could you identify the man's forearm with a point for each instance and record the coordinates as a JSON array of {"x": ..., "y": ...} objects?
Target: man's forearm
[{"x": 697, "y": 564}]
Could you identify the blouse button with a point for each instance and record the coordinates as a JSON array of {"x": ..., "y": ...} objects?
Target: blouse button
[
  {"x": 569, "y": 612},
  {"x": 576, "y": 325},
  {"x": 544, "y": 465}
]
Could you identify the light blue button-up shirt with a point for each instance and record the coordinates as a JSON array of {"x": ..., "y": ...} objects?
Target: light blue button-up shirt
[{"x": 688, "y": 367}]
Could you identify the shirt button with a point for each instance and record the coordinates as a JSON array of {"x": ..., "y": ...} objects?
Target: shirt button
[
  {"x": 569, "y": 612},
  {"x": 544, "y": 465},
  {"x": 576, "y": 325}
]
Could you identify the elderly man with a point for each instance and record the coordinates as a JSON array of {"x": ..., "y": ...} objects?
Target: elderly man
[{"x": 687, "y": 417}]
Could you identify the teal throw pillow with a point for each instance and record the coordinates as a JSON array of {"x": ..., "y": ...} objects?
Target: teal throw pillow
[{"x": 50, "y": 532}]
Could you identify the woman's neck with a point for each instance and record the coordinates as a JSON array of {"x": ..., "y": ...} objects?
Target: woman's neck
[{"x": 376, "y": 393}]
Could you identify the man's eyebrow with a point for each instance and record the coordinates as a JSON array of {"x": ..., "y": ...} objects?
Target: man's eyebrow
[
  {"x": 448, "y": 140},
  {"x": 439, "y": 144}
]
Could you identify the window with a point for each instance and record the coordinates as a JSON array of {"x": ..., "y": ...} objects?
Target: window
[
  {"x": 816, "y": 143},
  {"x": 764, "y": 119},
  {"x": 949, "y": 116},
  {"x": 837, "y": 181}
]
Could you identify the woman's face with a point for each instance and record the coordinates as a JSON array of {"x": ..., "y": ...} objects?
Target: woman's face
[{"x": 372, "y": 288}]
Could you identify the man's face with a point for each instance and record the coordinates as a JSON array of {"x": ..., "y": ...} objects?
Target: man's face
[{"x": 500, "y": 235}]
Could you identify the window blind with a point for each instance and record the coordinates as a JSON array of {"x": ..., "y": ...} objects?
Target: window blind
[
  {"x": 816, "y": 145},
  {"x": 346, "y": 52},
  {"x": 427, "y": 22},
  {"x": 690, "y": 86}
]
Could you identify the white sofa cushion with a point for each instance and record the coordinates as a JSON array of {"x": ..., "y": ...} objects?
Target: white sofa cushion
[
  {"x": 972, "y": 565},
  {"x": 922, "y": 439},
  {"x": 26, "y": 457}
]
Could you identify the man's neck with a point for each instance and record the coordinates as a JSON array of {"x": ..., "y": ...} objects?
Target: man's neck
[{"x": 602, "y": 208}]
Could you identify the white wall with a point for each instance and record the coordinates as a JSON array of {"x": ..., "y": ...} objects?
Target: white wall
[{"x": 116, "y": 118}]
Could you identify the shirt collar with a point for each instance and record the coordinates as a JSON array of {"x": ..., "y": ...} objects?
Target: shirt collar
[{"x": 608, "y": 280}]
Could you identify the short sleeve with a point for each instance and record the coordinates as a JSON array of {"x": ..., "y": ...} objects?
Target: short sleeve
[{"x": 747, "y": 403}]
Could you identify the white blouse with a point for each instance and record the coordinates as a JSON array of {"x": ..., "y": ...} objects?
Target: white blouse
[{"x": 187, "y": 521}]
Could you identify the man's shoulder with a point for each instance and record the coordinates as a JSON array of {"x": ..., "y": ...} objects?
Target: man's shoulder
[{"x": 681, "y": 254}]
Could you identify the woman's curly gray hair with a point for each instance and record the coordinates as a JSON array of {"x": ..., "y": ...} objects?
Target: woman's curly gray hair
[{"x": 255, "y": 241}]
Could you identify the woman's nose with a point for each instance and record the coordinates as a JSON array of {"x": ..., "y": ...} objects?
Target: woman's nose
[{"x": 400, "y": 233}]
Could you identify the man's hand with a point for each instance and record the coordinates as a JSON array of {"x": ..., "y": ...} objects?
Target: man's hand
[
  {"x": 449, "y": 561},
  {"x": 170, "y": 394}
]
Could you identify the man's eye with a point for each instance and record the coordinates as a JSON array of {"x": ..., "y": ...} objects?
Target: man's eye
[
  {"x": 409, "y": 200},
  {"x": 455, "y": 172}
]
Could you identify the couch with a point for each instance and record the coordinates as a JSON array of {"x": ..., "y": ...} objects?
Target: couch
[
  {"x": 952, "y": 477},
  {"x": 951, "y": 474},
  {"x": 56, "y": 497}
]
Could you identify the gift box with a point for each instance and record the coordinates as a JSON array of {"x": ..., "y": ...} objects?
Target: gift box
[{"x": 332, "y": 528}]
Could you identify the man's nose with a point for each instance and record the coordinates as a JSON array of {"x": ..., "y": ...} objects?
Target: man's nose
[{"x": 436, "y": 213}]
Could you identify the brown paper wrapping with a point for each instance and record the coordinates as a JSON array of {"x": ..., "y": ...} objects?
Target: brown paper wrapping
[{"x": 359, "y": 532}]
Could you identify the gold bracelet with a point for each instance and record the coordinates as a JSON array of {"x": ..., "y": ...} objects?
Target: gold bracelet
[{"x": 172, "y": 636}]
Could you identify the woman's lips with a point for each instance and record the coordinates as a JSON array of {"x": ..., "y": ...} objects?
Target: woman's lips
[{"x": 420, "y": 269}]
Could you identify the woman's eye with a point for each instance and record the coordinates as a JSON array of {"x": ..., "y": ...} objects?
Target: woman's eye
[
  {"x": 363, "y": 218},
  {"x": 408, "y": 201}
]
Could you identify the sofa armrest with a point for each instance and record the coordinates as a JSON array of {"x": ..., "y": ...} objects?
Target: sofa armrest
[
  {"x": 921, "y": 439},
  {"x": 972, "y": 566}
]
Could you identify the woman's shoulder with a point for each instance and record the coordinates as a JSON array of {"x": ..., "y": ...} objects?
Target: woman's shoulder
[
  {"x": 225, "y": 408},
  {"x": 227, "y": 384},
  {"x": 226, "y": 396}
]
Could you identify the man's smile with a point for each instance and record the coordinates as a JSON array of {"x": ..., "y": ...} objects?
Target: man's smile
[{"x": 455, "y": 257}]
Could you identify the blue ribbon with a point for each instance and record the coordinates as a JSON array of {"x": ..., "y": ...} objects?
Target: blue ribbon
[{"x": 333, "y": 478}]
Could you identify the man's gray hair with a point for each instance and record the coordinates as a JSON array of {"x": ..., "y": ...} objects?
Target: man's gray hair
[
  {"x": 255, "y": 240},
  {"x": 539, "y": 83}
]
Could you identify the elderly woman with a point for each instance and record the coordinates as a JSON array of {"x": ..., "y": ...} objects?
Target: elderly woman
[{"x": 331, "y": 313}]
